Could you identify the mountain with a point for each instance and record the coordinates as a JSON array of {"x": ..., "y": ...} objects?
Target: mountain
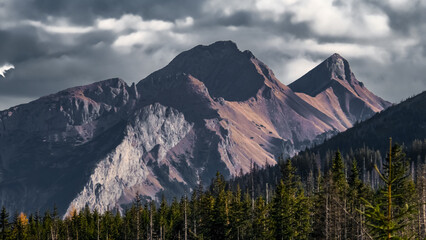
[
  {"x": 212, "y": 108},
  {"x": 404, "y": 122},
  {"x": 333, "y": 88},
  {"x": 367, "y": 142},
  {"x": 49, "y": 147}
]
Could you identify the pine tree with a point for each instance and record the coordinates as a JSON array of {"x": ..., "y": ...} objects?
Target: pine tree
[
  {"x": 236, "y": 216},
  {"x": 176, "y": 218},
  {"x": 247, "y": 212},
  {"x": 290, "y": 208},
  {"x": 356, "y": 191},
  {"x": 4, "y": 223},
  {"x": 137, "y": 222},
  {"x": 207, "y": 203},
  {"x": 261, "y": 228},
  {"x": 20, "y": 227},
  {"x": 220, "y": 217},
  {"x": 97, "y": 222},
  {"x": 54, "y": 228},
  {"x": 390, "y": 217},
  {"x": 320, "y": 213},
  {"x": 421, "y": 193},
  {"x": 338, "y": 199},
  {"x": 47, "y": 222},
  {"x": 195, "y": 213},
  {"x": 163, "y": 212}
]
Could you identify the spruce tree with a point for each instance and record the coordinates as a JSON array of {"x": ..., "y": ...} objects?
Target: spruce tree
[
  {"x": 290, "y": 208},
  {"x": 220, "y": 217},
  {"x": 338, "y": 201},
  {"x": 163, "y": 212},
  {"x": 237, "y": 217},
  {"x": 320, "y": 209},
  {"x": 357, "y": 190},
  {"x": 4, "y": 223},
  {"x": 261, "y": 228},
  {"x": 391, "y": 215}
]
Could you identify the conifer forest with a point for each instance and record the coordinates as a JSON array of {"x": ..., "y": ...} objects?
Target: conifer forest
[{"x": 353, "y": 195}]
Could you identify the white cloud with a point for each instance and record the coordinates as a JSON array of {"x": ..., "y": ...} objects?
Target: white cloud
[
  {"x": 141, "y": 37},
  {"x": 352, "y": 50},
  {"x": 61, "y": 26},
  {"x": 227, "y": 7},
  {"x": 297, "y": 67},
  {"x": 298, "y": 47},
  {"x": 273, "y": 8},
  {"x": 348, "y": 19},
  {"x": 133, "y": 22},
  {"x": 133, "y": 30},
  {"x": 146, "y": 39},
  {"x": 404, "y": 5},
  {"x": 184, "y": 23},
  {"x": 6, "y": 67}
]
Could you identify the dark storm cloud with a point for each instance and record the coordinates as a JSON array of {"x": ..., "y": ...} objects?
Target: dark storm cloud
[
  {"x": 404, "y": 17},
  {"x": 86, "y": 11},
  {"x": 20, "y": 45},
  {"x": 240, "y": 18},
  {"x": 55, "y": 44}
]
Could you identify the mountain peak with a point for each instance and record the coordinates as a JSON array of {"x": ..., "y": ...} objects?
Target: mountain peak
[
  {"x": 334, "y": 68},
  {"x": 336, "y": 55},
  {"x": 339, "y": 67},
  {"x": 333, "y": 81},
  {"x": 226, "y": 71},
  {"x": 217, "y": 49},
  {"x": 223, "y": 45}
]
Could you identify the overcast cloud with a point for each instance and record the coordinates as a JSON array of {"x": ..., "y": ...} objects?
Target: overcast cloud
[{"x": 56, "y": 44}]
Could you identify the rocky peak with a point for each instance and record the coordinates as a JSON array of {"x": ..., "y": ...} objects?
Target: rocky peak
[
  {"x": 226, "y": 71},
  {"x": 332, "y": 83},
  {"x": 334, "y": 69},
  {"x": 339, "y": 68},
  {"x": 81, "y": 112}
]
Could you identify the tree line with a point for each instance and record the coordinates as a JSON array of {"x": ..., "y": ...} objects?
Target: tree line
[{"x": 333, "y": 204}]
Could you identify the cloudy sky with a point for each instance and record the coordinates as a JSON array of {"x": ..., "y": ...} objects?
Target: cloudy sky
[{"x": 49, "y": 45}]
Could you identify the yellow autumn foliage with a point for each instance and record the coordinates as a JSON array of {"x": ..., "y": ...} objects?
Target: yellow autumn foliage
[{"x": 22, "y": 218}]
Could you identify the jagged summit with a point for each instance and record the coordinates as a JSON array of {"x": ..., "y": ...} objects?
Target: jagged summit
[
  {"x": 220, "y": 46},
  {"x": 332, "y": 83},
  {"x": 334, "y": 68},
  {"x": 226, "y": 71}
]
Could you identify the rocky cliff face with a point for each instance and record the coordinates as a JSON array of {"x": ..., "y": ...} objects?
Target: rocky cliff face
[
  {"x": 333, "y": 88},
  {"x": 213, "y": 108},
  {"x": 129, "y": 168},
  {"x": 48, "y": 147}
]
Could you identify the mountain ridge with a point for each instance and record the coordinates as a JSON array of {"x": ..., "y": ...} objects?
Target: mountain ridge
[
  {"x": 232, "y": 108},
  {"x": 404, "y": 122},
  {"x": 332, "y": 83}
]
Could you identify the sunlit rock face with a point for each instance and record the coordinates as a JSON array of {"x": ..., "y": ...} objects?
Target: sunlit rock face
[
  {"x": 213, "y": 108},
  {"x": 152, "y": 130},
  {"x": 333, "y": 88}
]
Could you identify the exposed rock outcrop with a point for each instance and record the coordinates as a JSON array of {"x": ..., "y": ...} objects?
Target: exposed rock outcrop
[{"x": 128, "y": 169}]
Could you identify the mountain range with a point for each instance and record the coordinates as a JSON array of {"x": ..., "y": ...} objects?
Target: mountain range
[{"x": 212, "y": 108}]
